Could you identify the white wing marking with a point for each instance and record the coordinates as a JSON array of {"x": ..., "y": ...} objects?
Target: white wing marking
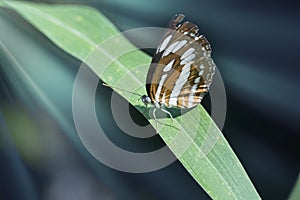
[
  {"x": 179, "y": 83},
  {"x": 161, "y": 83},
  {"x": 165, "y": 43},
  {"x": 187, "y": 59},
  {"x": 197, "y": 80},
  {"x": 187, "y": 53},
  {"x": 201, "y": 73},
  {"x": 168, "y": 66},
  {"x": 179, "y": 46},
  {"x": 170, "y": 48}
]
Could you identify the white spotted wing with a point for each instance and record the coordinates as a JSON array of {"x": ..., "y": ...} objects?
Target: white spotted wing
[{"x": 181, "y": 70}]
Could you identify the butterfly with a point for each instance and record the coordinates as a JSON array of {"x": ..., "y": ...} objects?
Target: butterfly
[{"x": 181, "y": 70}]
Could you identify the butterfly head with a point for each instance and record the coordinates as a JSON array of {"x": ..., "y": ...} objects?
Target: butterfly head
[{"x": 145, "y": 99}]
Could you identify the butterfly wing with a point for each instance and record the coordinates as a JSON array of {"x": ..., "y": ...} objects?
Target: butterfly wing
[
  {"x": 159, "y": 60},
  {"x": 181, "y": 70},
  {"x": 190, "y": 92}
]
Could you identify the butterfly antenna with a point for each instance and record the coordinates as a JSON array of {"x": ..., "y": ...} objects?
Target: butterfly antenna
[{"x": 121, "y": 89}]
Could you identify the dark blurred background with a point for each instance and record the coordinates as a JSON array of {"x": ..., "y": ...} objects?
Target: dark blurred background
[{"x": 256, "y": 48}]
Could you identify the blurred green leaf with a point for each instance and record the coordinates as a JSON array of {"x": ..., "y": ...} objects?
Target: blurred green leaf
[
  {"x": 295, "y": 194},
  {"x": 202, "y": 149}
]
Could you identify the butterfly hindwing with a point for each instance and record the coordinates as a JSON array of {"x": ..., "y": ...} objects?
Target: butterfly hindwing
[{"x": 196, "y": 86}]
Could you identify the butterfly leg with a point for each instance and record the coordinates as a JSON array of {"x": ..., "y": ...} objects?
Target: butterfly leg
[
  {"x": 154, "y": 110},
  {"x": 165, "y": 111},
  {"x": 156, "y": 121},
  {"x": 145, "y": 109}
]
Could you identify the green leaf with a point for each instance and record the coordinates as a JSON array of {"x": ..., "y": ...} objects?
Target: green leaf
[
  {"x": 199, "y": 145},
  {"x": 295, "y": 194}
]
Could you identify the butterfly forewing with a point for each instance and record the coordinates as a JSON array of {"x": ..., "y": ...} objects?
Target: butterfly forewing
[{"x": 181, "y": 70}]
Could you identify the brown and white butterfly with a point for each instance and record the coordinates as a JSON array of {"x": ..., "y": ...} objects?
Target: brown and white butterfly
[{"x": 181, "y": 70}]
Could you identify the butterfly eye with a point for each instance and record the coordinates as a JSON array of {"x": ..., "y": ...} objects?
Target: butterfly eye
[{"x": 145, "y": 99}]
